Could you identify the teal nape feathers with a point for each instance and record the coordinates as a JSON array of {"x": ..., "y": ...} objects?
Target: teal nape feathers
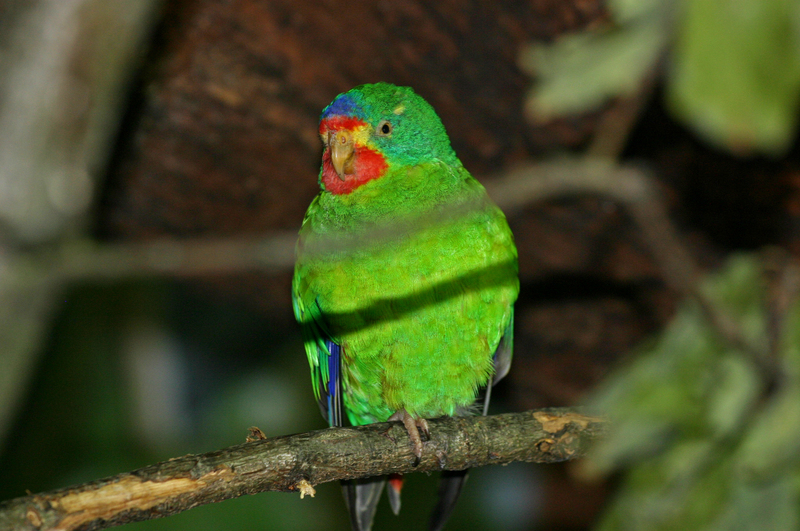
[{"x": 413, "y": 325}]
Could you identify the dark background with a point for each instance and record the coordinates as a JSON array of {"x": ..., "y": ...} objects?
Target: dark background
[{"x": 219, "y": 138}]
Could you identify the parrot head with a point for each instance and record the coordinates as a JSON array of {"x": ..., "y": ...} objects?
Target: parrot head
[{"x": 374, "y": 129}]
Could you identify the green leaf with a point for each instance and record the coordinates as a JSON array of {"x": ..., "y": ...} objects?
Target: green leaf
[
  {"x": 790, "y": 343},
  {"x": 735, "y": 74},
  {"x": 659, "y": 393},
  {"x": 732, "y": 397},
  {"x": 739, "y": 290},
  {"x": 688, "y": 382},
  {"x": 773, "y": 442},
  {"x": 681, "y": 490},
  {"x": 759, "y": 505},
  {"x": 700, "y": 445},
  {"x": 624, "y": 11},
  {"x": 580, "y": 72}
]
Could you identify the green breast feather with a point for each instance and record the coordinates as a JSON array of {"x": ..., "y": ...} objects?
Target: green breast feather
[{"x": 419, "y": 316}]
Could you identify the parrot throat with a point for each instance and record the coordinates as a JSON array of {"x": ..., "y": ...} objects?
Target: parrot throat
[{"x": 368, "y": 164}]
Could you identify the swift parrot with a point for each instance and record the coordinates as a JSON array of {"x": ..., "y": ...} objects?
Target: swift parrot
[{"x": 405, "y": 280}]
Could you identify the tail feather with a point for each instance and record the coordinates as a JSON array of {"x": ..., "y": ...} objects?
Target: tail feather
[
  {"x": 449, "y": 489},
  {"x": 362, "y": 497},
  {"x": 393, "y": 487}
]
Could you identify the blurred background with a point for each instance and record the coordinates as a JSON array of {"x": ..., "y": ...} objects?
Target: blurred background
[{"x": 123, "y": 124}]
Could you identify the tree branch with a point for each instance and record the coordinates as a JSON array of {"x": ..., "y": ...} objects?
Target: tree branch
[
  {"x": 295, "y": 462},
  {"x": 638, "y": 193},
  {"x": 630, "y": 186}
]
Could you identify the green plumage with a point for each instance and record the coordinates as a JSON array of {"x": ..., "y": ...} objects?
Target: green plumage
[{"x": 420, "y": 309}]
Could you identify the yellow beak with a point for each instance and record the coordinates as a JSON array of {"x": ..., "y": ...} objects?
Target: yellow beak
[{"x": 342, "y": 152}]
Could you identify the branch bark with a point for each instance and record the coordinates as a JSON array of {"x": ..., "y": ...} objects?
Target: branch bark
[{"x": 295, "y": 462}]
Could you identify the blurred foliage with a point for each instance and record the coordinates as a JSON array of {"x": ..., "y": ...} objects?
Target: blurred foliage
[
  {"x": 733, "y": 70},
  {"x": 102, "y": 383},
  {"x": 579, "y": 72},
  {"x": 736, "y": 72},
  {"x": 702, "y": 439}
]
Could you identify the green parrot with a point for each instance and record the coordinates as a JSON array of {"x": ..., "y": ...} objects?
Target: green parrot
[{"x": 405, "y": 280}]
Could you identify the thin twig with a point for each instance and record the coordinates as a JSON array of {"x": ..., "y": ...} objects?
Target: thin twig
[
  {"x": 636, "y": 191},
  {"x": 617, "y": 123},
  {"x": 88, "y": 260}
]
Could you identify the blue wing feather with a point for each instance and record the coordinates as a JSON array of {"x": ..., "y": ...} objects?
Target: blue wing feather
[
  {"x": 324, "y": 358},
  {"x": 333, "y": 412}
]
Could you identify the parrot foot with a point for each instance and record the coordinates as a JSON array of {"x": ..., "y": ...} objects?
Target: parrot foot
[{"x": 413, "y": 427}]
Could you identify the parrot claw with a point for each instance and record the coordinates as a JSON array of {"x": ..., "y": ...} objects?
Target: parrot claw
[
  {"x": 413, "y": 427},
  {"x": 422, "y": 424}
]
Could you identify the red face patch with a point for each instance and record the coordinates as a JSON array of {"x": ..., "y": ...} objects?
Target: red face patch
[
  {"x": 368, "y": 164},
  {"x": 339, "y": 123}
]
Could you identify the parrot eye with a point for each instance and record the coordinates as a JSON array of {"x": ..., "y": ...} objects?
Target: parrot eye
[{"x": 385, "y": 128}]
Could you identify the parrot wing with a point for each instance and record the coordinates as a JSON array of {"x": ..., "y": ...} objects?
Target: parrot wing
[
  {"x": 324, "y": 358},
  {"x": 502, "y": 360}
]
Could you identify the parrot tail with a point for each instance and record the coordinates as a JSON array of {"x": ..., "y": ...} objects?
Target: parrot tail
[
  {"x": 393, "y": 488},
  {"x": 449, "y": 489},
  {"x": 362, "y": 496}
]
